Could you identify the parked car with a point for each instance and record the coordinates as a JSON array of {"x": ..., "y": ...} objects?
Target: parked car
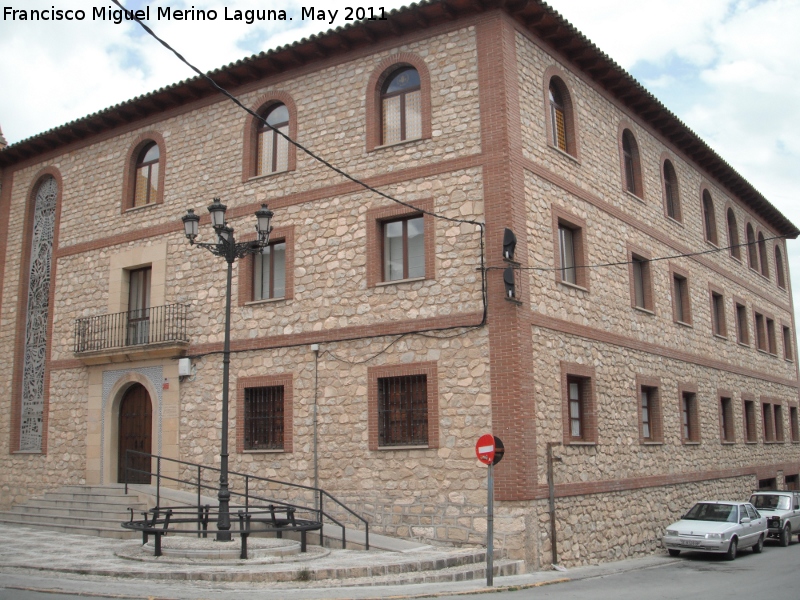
[
  {"x": 782, "y": 510},
  {"x": 715, "y": 526}
]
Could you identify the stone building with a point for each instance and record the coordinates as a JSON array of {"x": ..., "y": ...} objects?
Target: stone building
[{"x": 368, "y": 357}]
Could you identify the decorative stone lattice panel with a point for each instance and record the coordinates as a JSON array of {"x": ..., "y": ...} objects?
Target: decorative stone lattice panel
[{"x": 44, "y": 218}]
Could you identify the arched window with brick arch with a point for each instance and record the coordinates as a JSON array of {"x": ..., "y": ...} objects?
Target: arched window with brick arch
[
  {"x": 780, "y": 273},
  {"x": 561, "y": 128},
  {"x": 762, "y": 255},
  {"x": 398, "y": 104},
  {"x": 672, "y": 201},
  {"x": 631, "y": 164},
  {"x": 752, "y": 251},
  {"x": 709, "y": 219},
  {"x": 267, "y": 151},
  {"x": 733, "y": 235},
  {"x": 143, "y": 183}
]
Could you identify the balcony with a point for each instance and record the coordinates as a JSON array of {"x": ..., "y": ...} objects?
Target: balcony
[{"x": 155, "y": 332}]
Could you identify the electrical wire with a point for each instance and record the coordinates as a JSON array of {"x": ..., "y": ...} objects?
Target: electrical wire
[{"x": 628, "y": 262}]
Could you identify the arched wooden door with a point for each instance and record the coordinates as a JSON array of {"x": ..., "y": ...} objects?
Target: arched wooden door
[{"x": 135, "y": 433}]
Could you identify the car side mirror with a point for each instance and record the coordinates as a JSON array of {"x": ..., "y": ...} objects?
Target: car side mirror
[{"x": 745, "y": 520}]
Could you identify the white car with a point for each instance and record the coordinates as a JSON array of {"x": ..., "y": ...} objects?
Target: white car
[
  {"x": 782, "y": 510},
  {"x": 716, "y": 526}
]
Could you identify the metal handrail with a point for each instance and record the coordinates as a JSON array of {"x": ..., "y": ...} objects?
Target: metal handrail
[
  {"x": 153, "y": 325},
  {"x": 247, "y": 496}
]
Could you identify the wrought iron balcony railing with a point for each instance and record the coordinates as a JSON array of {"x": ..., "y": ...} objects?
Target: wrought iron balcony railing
[{"x": 154, "y": 325}]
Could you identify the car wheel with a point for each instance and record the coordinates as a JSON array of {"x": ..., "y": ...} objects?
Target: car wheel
[
  {"x": 759, "y": 546},
  {"x": 673, "y": 552},
  {"x": 786, "y": 536},
  {"x": 731, "y": 553}
]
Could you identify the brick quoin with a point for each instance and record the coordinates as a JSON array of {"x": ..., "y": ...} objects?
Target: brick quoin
[{"x": 510, "y": 345}]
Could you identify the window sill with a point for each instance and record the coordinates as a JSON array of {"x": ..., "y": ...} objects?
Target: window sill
[
  {"x": 789, "y": 360},
  {"x": 727, "y": 443},
  {"x": 690, "y": 443},
  {"x": 743, "y": 344},
  {"x": 400, "y": 143},
  {"x": 564, "y": 153},
  {"x": 267, "y": 175},
  {"x": 581, "y": 443},
  {"x": 33, "y": 452},
  {"x": 772, "y": 442},
  {"x": 652, "y": 443},
  {"x": 132, "y": 209},
  {"x": 514, "y": 301},
  {"x": 674, "y": 220},
  {"x": 412, "y": 447},
  {"x": 273, "y": 451},
  {"x": 684, "y": 324},
  {"x": 393, "y": 282},
  {"x": 573, "y": 286},
  {"x": 646, "y": 311},
  {"x": 634, "y": 196},
  {"x": 718, "y": 336},
  {"x": 265, "y": 301},
  {"x": 751, "y": 442},
  {"x": 712, "y": 244}
]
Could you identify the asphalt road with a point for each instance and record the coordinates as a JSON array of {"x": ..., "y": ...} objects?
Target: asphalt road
[{"x": 771, "y": 574}]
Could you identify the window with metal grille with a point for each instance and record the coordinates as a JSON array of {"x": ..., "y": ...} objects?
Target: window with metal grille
[
  {"x": 403, "y": 410},
  {"x": 263, "y": 418}
]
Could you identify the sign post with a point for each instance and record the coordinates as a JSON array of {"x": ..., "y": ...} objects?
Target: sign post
[{"x": 489, "y": 449}]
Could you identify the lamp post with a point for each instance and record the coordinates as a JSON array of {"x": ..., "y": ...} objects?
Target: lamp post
[{"x": 227, "y": 248}]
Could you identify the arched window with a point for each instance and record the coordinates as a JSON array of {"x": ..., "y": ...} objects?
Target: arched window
[
  {"x": 631, "y": 164},
  {"x": 762, "y": 254},
  {"x": 558, "y": 119},
  {"x": 780, "y": 273},
  {"x": 752, "y": 252},
  {"x": 671, "y": 198},
  {"x": 145, "y": 187},
  {"x": 709, "y": 219},
  {"x": 733, "y": 236},
  {"x": 561, "y": 121},
  {"x": 401, "y": 107},
  {"x": 272, "y": 153}
]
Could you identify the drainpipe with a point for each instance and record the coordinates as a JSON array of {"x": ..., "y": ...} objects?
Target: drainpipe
[
  {"x": 315, "y": 350},
  {"x": 552, "y": 492}
]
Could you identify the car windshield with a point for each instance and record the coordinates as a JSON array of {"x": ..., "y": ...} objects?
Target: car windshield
[
  {"x": 770, "y": 502},
  {"x": 713, "y": 512}
]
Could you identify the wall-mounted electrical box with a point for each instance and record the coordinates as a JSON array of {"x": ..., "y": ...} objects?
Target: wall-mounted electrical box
[{"x": 184, "y": 367}]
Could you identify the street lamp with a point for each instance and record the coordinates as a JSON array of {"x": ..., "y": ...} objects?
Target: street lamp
[{"x": 227, "y": 248}]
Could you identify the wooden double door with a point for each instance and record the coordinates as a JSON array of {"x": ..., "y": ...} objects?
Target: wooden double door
[{"x": 135, "y": 433}]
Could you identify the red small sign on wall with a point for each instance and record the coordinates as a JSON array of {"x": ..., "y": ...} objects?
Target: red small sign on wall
[{"x": 484, "y": 449}]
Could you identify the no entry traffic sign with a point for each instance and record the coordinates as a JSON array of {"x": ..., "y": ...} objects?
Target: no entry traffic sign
[{"x": 484, "y": 449}]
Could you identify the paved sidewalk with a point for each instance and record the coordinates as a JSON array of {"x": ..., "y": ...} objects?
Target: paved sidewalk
[{"x": 52, "y": 561}]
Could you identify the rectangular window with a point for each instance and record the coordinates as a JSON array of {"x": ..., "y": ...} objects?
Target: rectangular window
[
  {"x": 566, "y": 245},
  {"x": 403, "y": 249},
  {"x": 750, "y": 421},
  {"x": 727, "y": 433},
  {"x": 718, "y": 325},
  {"x": 689, "y": 424},
  {"x": 680, "y": 299},
  {"x": 761, "y": 332},
  {"x": 794, "y": 425},
  {"x": 139, "y": 306},
  {"x": 642, "y": 292},
  {"x": 788, "y": 353},
  {"x": 403, "y": 410},
  {"x": 576, "y": 418},
  {"x": 778, "y": 412},
  {"x": 264, "y": 418},
  {"x": 742, "y": 328},
  {"x": 769, "y": 424},
  {"x": 650, "y": 413},
  {"x": 772, "y": 344},
  {"x": 269, "y": 272}
]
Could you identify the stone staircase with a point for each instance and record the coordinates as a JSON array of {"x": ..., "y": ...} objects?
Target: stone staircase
[{"x": 85, "y": 510}]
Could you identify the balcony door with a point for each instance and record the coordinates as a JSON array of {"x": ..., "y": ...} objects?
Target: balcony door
[
  {"x": 139, "y": 307},
  {"x": 135, "y": 433}
]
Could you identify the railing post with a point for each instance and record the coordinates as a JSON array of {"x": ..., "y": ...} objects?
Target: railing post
[
  {"x": 247, "y": 493},
  {"x": 158, "y": 481},
  {"x": 127, "y": 454},
  {"x": 321, "y": 522},
  {"x": 199, "y": 485}
]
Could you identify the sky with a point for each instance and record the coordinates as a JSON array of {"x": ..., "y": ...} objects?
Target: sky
[{"x": 729, "y": 69}]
